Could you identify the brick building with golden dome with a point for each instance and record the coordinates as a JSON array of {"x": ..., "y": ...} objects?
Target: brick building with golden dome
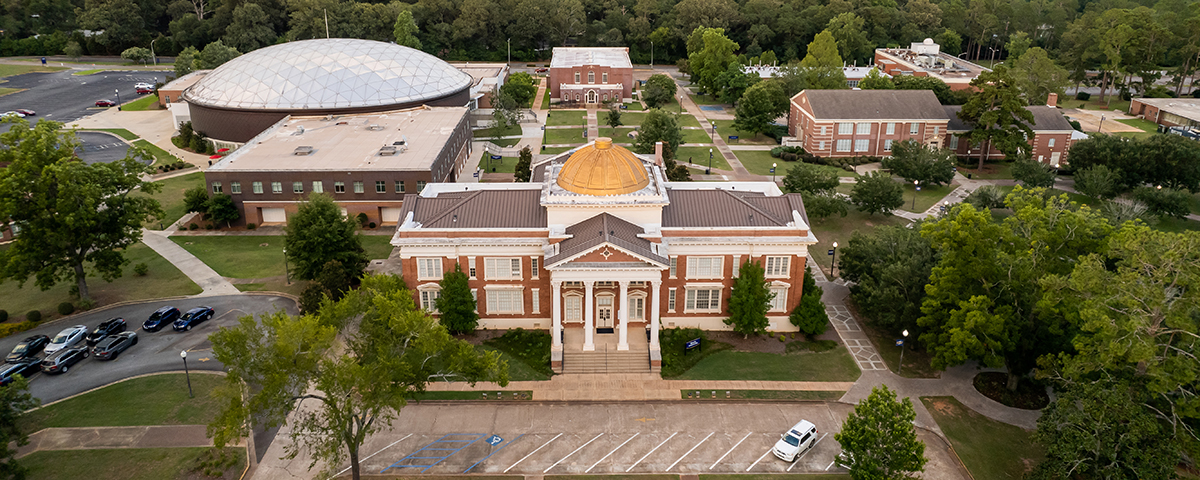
[{"x": 602, "y": 251}]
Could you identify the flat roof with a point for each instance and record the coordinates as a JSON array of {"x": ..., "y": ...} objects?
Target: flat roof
[
  {"x": 481, "y": 72},
  {"x": 186, "y": 81},
  {"x": 1188, "y": 108},
  {"x": 941, "y": 65},
  {"x": 565, "y": 57},
  {"x": 349, "y": 142}
]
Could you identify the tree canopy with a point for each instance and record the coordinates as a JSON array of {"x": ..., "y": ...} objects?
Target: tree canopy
[
  {"x": 913, "y": 161},
  {"x": 749, "y": 300},
  {"x": 759, "y": 107},
  {"x": 318, "y": 233},
  {"x": 878, "y": 438},
  {"x": 997, "y": 114},
  {"x": 658, "y": 126},
  {"x": 659, "y": 90},
  {"x": 876, "y": 192}
]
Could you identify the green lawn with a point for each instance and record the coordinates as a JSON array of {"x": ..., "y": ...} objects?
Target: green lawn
[
  {"x": 916, "y": 363},
  {"x": 121, "y": 132},
  {"x": 149, "y": 102},
  {"x": 1145, "y": 126},
  {"x": 725, "y": 129},
  {"x": 834, "y": 365},
  {"x": 620, "y": 135},
  {"x": 503, "y": 165},
  {"x": 696, "y": 136},
  {"x": 89, "y": 72},
  {"x": 564, "y": 136},
  {"x": 12, "y": 70},
  {"x": 706, "y": 99},
  {"x": 377, "y": 246},
  {"x": 546, "y": 100},
  {"x": 991, "y": 171},
  {"x": 161, "y": 157},
  {"x": 926, "y": 198},
  {"x": 627, "y": 118},
  {"x": 634, "y": 106},
  {"x": 504, "y": 142},
  {"x": 5, "y": 91},
  {"x": 687, "y": 120},
  {"x": 568, "y": 117},
  {"x": 759, "y": 162},
  {"x": 699, "y": 156},
  {"x": 989, "y": 449},
  {"x": 1111, "y": 102},
  {"x": 553, "y": 150},
  {"x": 171, "y": 198},
  {"x": 161, "y": 280},
  {"x": 486, "y": 133},
  {"x": 839, "y": 229},
  {"x": 129, "y": 463},
  {"x": 1177, "y": 225},
  {"x": 152, "y": 400},
  {"x": 518, "y": 370},
  {"x": 247, "y": 257}
]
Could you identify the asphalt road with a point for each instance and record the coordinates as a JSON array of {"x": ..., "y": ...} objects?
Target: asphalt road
[
  {"x": 155, "y": 352},
  {"x": 101, "y": 147},
  {"x": 63, "y": 97}
]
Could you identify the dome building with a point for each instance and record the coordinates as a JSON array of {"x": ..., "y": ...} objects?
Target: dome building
[
  {"x": 603, "y": 251},
  {"x": 338, "y": 76}
]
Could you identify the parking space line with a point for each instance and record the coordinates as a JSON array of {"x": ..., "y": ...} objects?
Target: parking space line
[
  {"x": 651, "y": 451},
  {"x": 831, "y": 463},
  {"x": 444, "y": 440},
  {"x": 374, "y": 454},
  {"x": 689, "y": 451},
  {"x": 764, "y": 455},
  {"x": 814, "y": 447},
  {"x": 493, "y": 453},
  {"x": 612, "y": 452},
  {"x": 730, "y": 450},
  {"x": 533, "y": 452},
  {"x": 572, "y": 453}
]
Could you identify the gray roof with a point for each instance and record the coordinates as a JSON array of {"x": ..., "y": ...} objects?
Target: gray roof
[
  {"x": 601, "y": 229},
  {"x": 875, "y": 104},
  {"x": 725, "y": 208},
  {"x": 616, "y": 57},
  {"x": 478, "y": 209},
  {"x": 1045, "y": 119}
]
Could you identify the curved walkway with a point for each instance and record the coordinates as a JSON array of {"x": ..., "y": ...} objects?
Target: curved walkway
[{"x": 198, "y": 271}]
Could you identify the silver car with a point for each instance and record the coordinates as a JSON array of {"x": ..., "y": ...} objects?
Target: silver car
[{"x": 67, "y": 338}]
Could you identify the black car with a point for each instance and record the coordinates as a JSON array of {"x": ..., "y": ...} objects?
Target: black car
[
  {"x": 25, "y": 367},
  {"x": 106, "y": 328},
  {"x": 28, "y": 348},
  {"x": 160, "y": 318},
  {"x": 109, "y": 348},
  {"x": 192, "y": 318},
  {"x": 63, "y": 359}
]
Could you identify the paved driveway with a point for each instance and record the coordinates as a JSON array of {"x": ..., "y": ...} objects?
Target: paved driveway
[
  {"x": 63, "y": 97},
  {"x": 155, "y": 352},
  {"x": 101, "y": 147}
]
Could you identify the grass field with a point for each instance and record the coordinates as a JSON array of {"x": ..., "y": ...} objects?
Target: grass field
[
  {"x": 171, "y": 198},
  {"x": 699, "y": 156},
  {"x": 12, "y": 70},
  {"x": 704, "y": 99},
  {"x": 504, "y": 142},
  {"x": 725, "y": 129},
  {"x": 486, "y": 133},
  {"x": 149, "y": 102},
  {"x": 564, "y": 136},
  {"x": 696, "y": 136},
  {"x": 990, "y": 450},
  {"x": 1111, "y": 102},
  {"x": 161, "y": 280},
  {"x": 128, "y": 463},
  {"x": 759, "y": 162},
  {"x": 546, "y": 100},
  {"x": 991, "y": 171},
  {"x": 5, "y": 91},
  {"x": 568, "y": 117},
  {"x": 1145, "y": 126},
  {"x": 839, "y": 229},
  {"x": 248, "y": 257},
  {"x": 916, "y": 363},
  {"x": 927, "y": 197},
  {"x": 630, "y": 119},
  {"x": 152, "y": 400},
  {"x": 503, "y": 165},
  {"x": 161, "y": 157},
  {"x": 687, "y": 120},
  {"x": 377, "y": 246},
  {"x": 518, "y": 370},
  {"x": 834, "y": 365},
  {"x": 120, "y": 132}
]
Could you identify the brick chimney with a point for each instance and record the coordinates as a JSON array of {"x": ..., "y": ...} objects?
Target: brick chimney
[
  {"x": 1052, "y": 100},
  {"x": 658, "y": 153}
]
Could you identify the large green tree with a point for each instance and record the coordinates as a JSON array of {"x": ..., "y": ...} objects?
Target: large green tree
[
  {"x": 455, "y": 304},
  {"x": 759, "y": 107},
  {"x": 405, "y": 30},
  {"x": 878, "y": 438},
  {"x": 913, "y": 161},
  {"x": 251, "y": 29},
  {"x": 809, "y": 178},
  {"x": 876, "y": 192},
  {"x": 76, "y": 218},
  {"x": 15, "y": 400},
  {"x": 214, "y": 55},
  {"x": 1037, "y": 76},
  {"x": 520, "y": 86},
  {"x": 876, "y": 81},
  {"x": 394, "y": 352},
  {"x": 119, "y": 22},
  {"x": 997, "y": 114},
  {"x": 659, "y": 90},
  {"x": 658, "y": 126},
  {"x": 524, "y": 168},
  {"x": 318, "y": 233},
  {"x": 1032, "y": 173},
  {"x": 749, "y": 300},
  {"x": 853, "y": 44},
  {"x": 709, "y": 54},
  {"x": 889, "y": 268},
  {"x": 822, "y": 52}
]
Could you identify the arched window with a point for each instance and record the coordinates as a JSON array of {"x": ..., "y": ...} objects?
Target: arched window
[
  {"x": 576, "y": 97},
  {"x": 591, "y": 77},
  {"x": 606, "y": 97},
  {"x": 566, "y": 96}
]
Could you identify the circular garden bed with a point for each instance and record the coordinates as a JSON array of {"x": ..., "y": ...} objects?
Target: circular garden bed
[{"x": 1030, "y": 395}]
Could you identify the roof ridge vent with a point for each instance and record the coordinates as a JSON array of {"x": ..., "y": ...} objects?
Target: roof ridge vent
[
  {"x": 388, "y": 150},
  {"x": 303, "y": 150}
]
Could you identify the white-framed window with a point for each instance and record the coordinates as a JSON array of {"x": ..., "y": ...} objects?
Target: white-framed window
[
  {"x": 821, "y": 145},
  {"x": 843, "y": 145},
  {"x": 420, "y": 185},
  {"x": 256, "y": 187},
  {"x": 823, "y": 129},
  {"x": 471, "y": 267},
  {"x": 704, "y": 299},
  {"x": 671, "y": 300},
  {"x": 737, "y": 263},
  {"x": 954, "y": 142},
  {"x": 914, "y": 128},
  {"x": 704, "y": 267},
  {"x": 576, "y": 77},
  {"x": 297, "y": 187},
  {"x": 845, "y": 128},
  {"x": 887, "y": 145},
  {"x": 863, "y": 128},
  {"x": 502, "y": 268},
  {"x": 318, "y": 186},
  {"x": 276, "y": 187},
  {"x": 778, "y": 266},
  {"x": 429, "y": 296},
  {"x": 216, "y": 186},
  {"x": 1051, "y": 143},
  {"x": 604, "y": 78},
  {"x": 591, "y": 77},
  {"x": 429, "y": 268},
  {"x": 535, "y": 300},
  {"x": 937, "y": 130},
  {"x": 535, "y": 264},
  {"x": 573, "y": 308},
  {"x": 475, "y": 298},
  {"x": 339, "y": 187},
  {"x": 861, "y": 145},
  {"x": 779, "y": 301},
  {"x": 399, "y": 187},
  {"x": 674, "y": 266},
  {"x": 235, "y": 187},
  {"x": 637, "y": 308},
  {"x": 891, "y": 128},
  {"x": 358, "y": 187},
  {"x": 380, "y": 186}
]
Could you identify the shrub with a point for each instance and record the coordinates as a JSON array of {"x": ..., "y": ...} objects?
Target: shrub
[
  {"x": 11, "y": 328},
  {"x": 529, "y": 346},
  {"x": 778, "y": 152},
  {"x": 1083, "y": 96},
  {"x": 3, "y": 315},
  {"x": 1164, "y": 202},
  {"x": 251, "y": 226},
  {"x": 362, "y": 219},
  {"x": 311, "y": 297},
  {"x": 141, "y": 269},
  {"x": 66, "y": 308},
  {"x": 87, "y": 304},
  {"x": 193, "y": 227},
  {"x": 208, "y": 226},
  {"x": 371, "y": 225},
  {"x": 33, "y": 316},
  {"x": 810, "y": 316},
  {"x": 782, "y": 338}
]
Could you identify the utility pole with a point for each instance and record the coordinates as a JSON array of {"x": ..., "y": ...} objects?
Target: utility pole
[{"x": 326, "y": 22}]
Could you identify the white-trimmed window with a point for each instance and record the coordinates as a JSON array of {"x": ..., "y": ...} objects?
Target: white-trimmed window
[
  {"x": 503, "y": 268},
  {"x": 604, "y": 78},
  {"x": 256, "y": 187},
  {"x": 535, "y": 264},
  {"x": 429, "y": 296},
  {"x": 671, "y": 300},
  {"x": 276, "y": 187},
  {"x": 823, "y": 132},
  {"x": 216, "y": 186},
  {"x": 843, "y": 145},
  {"x": 471, "y": 267},
  {"x": 891, "y": 128},
  {"x": 399, "y": 187},
  {"x": 737, "y": 263},
  {"x": 429, "y": 268},
  {"x": 297, "y": 187},
  {"x": 504, "y": 301},
  {"x": 704, "y": 267},
  {"x": 637, "y": 308},
  {"x": 573, "y": 308},
  {"x": 778, "y": 266},
  {"x": 845, "y": 128},
  {"x": 318, "y": 186},
  {"x": 420, "y": 185},
  {"x": 779, "y": 301},
  {"x": 863, "y": 128},
  {"x": 358, "y": 187},
  {"x": 954, "y": 142},
  {"x": 703, "y": 299},
  {"x": 887, "y": 145},
  {"x": 576, "y": 77},
  {"x": 1051, "y": 143},
  {"x": 821, "y": 145},
  {"x": 591, "y": 77},
  {"x": 380, "y": 186},
  {"x": 861, "y": 145},
  {"x": 674, "y": 266},
  {"x": 235, "y": 187},
  {"x": 475, "y": 298},
  {"x": 914, "y": 128},
  {"x": 339, "y": 187},
  {"x": 937, "y": 130},
  {"x": 535, "y": 300}
]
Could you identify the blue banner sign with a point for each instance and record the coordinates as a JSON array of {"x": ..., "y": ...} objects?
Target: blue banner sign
[
  {"x": 496, "y": 157},
  {"x": 899, "y": 342},
  {"x": 733, "y": 137},
  {"x": 692, "y": 344}
]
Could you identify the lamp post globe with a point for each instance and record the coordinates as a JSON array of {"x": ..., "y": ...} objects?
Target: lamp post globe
[
  {"x": 902, "y": 345},
  {"x": 773, "y": 165},
  {"x": 833, "y": 263},
  {"x": 186, "y": 373}
]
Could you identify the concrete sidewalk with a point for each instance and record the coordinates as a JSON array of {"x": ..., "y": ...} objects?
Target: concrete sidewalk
[
  {"x": 199, "y": 272},
  {"x": 630, "y": 387},
  {"x": 93, "y": 438}
]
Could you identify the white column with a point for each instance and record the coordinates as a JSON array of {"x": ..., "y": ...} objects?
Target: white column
[
  {"x": 655, "y": 285},
  {"x": 556, "y": 304},
  {"x": 623, "y": 329},
  {"x": 589, "y": 326}
]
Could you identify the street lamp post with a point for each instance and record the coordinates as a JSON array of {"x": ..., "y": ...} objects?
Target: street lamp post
[
  {"x": 1101, "y": 127},
  {"x": 709, "y": 169},
  {"x": 152, "y": 56},
  {"x": 902, "y": 342},
  {"x": 509, "y": 41},
  {"x": 714, "y": 131},
  {"x": 651, "y": 54},
  {"x": 287, "y": 275},
  {"x": 681, "y": 104},
  {"x": 833, "y": 263},
  {"x": 186, "y": 373},
  {"x": 917, "y": 184},
  {"x": 773, "y": 165},
  {"x": 118, "y": 91}
]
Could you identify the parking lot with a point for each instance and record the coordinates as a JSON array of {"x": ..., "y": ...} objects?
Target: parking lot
[{"x": 63, "y": 97}]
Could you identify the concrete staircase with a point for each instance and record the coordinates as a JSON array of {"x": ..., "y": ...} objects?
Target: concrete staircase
[{"x": 612, "y": 361}]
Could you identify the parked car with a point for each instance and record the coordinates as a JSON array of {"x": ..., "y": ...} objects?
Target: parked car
[
  {"x": 797, "y": 440},
  {"x": 541, "y": 70},
  {"x": 66, "y": 339},
  {"x": 26, "y": 112},
  {"x": 26, "y": 367},
  {"x": 28, "y": 348},
  {"x": 109, "y": 348},
  {"x": 160, "y": 318},
  {"x": 108, "y": 327},
  {"x": 11, "y": 114},
  {"x": 144, "y": 90},
  {"x": 143, "y": 85},
  {"x": 62, "y": 361},
  {"x": 192, "y": 318},
  {"x": 105, "y": 103}
]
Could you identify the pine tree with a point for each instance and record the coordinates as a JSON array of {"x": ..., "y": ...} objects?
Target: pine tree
[
  {"x": 524, "y": 165},
  {"x": 455, "y": 304},
  {"x": 750, "y": 300}
]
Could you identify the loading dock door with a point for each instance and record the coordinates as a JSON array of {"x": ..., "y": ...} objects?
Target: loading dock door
[
  {"x": 390, "y": 214},
  {"x": 274, "y": 215}
]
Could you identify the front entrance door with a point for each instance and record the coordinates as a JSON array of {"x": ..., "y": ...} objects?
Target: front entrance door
[
  {"x": 604, "y": 313},
  {"x": 591, "y": 97}
]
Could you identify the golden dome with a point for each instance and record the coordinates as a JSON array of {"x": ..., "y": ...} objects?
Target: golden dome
[{"x": 603, "y": 169}]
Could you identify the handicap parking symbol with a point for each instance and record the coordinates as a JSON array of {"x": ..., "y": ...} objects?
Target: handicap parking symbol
[{"x": 494, "y": 440}]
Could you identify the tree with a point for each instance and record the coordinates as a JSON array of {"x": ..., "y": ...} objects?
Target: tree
[
  {"x": 659, "y": 90},
  {"x": 878, "y": 439},
  {"x": 876, "y": 81},
  {"x": 524, "y": 169},
  {"x": 1037, "y": 76},
  {"x": 889, "y": 268},
  {"x": 1164, "y": 202},
  {"x": 506, "y": 112},
  {"x": 358, "y": 390},
  {"x": 195, "y": 200},
  {"x": 808, "y": 178},
  {"x": 950, "y": 41},
  {"x": 214, "y": 55},
  {"x": 455, "y": 304},
  {"x": 822, "y": 52},
  {"x": 136, "y": 54},
  {"x": 221, "y": 209},
  {"x": 913, "y": 161},
  {"x": 73, "y": 50},
  {"x": 76, "y": 219},
  {"x": 614, "y": 115},
  {"x": 877, "y": 192},
  {"x": 825, "y": 203},
  {"x": 1099, "y": 182},
  {"x": 852, "y": 41},
  {"x": 749, "y": 300},
  {"x": 733, "y": 82},
  {"x": 759, "y": 107},
  {"x": 1017, "y": 45},
  {"x": 1032, "y": 173},
  {"x": 658, "y": 126},
  {"x": 405, "y": 30},
  {"x": 520, "y": 87},
  {"x": 997, "y": 114},
  {"x": 1168, "y": 160},
  {"x": 809, "y": 315},
  {"x": 15, "y": 400},
  {"x": 185, "y": 60},
  {"x": 676, "y": 172},
  {"x": 710, "y": 57},
  {"x": 119, "y": 21},
  {"x": 318, "y": 233},
  {"x": 251, "y": 29}
]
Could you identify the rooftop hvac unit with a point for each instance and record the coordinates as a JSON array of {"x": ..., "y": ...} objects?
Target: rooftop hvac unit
[
  {"x": 303, "y": 150},
  {"x": 299, "y": 130},
  {"x": 388, "y": 151},
  {"x": 374, "y": 127}
]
